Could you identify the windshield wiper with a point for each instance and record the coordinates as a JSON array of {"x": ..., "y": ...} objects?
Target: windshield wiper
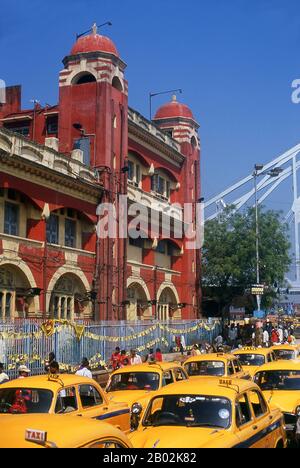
[{"x": 215, "y": 426}]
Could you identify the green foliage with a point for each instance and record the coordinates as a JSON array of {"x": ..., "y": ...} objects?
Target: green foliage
[{"x": 229, "y": 255}]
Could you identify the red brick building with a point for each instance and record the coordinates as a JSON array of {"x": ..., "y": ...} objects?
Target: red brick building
[{"x": 57, "y": 164}]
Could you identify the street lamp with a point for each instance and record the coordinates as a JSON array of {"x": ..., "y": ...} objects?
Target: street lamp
[
  {"x": 258, "y": 171},
  {"x": 151, "y": 95}
]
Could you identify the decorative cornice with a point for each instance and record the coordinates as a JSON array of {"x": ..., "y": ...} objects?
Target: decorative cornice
[
  {"x": 165, "y": 151},
  {"x": 57, "y": 181}
]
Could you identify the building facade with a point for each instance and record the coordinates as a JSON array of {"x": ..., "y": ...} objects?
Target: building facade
[{"x": 59, "y": 164}]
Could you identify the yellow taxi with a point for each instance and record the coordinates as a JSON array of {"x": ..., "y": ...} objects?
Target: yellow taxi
[
  {"x": 46, "y": 431},
  {"x": 63, "y": 394},
  {"x": 286, "y": 352},
  {"x": 251, "y": 358},
  {"x": 135, "y": 384},
  {"x": 280, "y": 383},
  {"x": 218, "y": 364},
  {"x": 218, "y": 414}
]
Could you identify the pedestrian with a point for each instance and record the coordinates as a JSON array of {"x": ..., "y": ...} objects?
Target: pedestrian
[
  {"x": 158, "y": 357},
  {"x": 115, "y": 358},
  {"x": 151, "y": 356},
  {"x": 135, "y": 359},
  {"x": 219, "y": 341},
  {"x": 291, "y": 339},
  {"x": 195, "y": 351},
  {"x": 266, "y": 338},
  {"x": 23, "y": 372},
  {"x": 48, "y": 362},
  {"x": 84, "y": 370},
  {"x": 54, "y": 368},
  {"x": 124, "y": 359},
  {"x": 3, "y": 377},
  {"x": 232, "y": 335},
  {"x": 274, "y": 336},
  {"x": 280, "y": 334}
]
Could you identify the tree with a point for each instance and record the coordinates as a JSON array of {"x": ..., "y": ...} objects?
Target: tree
[{"x": 229, "y": 256}]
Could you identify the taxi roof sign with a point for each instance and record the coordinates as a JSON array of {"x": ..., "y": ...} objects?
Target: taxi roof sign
[
  {"x": 37, "y": 436},
  {"x": 225, "y": 382}
]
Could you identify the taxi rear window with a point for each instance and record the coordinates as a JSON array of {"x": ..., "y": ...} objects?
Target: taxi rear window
[
  {"x": 205, "y": 368},
  {"x": 25, "y": 401},
  {"x": 134, "y": 381},
  {"x": 251, "y": 359},
  {"x": 285, "y": 354}
]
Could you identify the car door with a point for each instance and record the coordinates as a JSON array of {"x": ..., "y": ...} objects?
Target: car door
[
  {"x": 66, "y": 401},
  {"x": 252, "y": 431},
  {"x": 91, "y": 401},
  {"x": 262, "y": 419},
  {"x": 244, "y": 421}
]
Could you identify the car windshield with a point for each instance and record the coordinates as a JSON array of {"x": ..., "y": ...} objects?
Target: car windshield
[
  {"x": 134, "y": 381},
  {"x": 25, "y": 401},
  {"x": 189, "y": 411},
  {"x": 284, "y": 354},
  {"x": 251, "y": 359},
  {"x": 278, "y": 380},
  {"x": 205, "y": 368}
]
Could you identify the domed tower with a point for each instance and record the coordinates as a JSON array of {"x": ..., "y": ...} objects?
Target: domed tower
[
  {"x": 93, "y": 100},
  {"x": 178, "y": 121},
  {"x": 93, "y": 117}
]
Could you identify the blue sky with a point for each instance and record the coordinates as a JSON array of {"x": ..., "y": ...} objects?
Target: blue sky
[{"x": 234, "y": 59}]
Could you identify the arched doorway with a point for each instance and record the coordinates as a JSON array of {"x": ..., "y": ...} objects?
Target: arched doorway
[
  {"x": 16, "y": 298},
  {"x": 69, "y": 299},
  {"x": 167, "y": 307},
  {"x": 139, "y": 307}
]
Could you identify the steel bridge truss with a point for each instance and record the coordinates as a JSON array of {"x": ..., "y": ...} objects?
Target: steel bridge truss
[{"x": 240, "y": 195}]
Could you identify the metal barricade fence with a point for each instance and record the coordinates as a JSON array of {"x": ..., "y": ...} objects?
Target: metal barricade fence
[{"x": 23, "y": 342}]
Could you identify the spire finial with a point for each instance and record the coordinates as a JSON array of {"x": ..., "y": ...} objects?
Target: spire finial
[
  {"x": 95, "y": 29},
  {"x": 174, "y": 98}
]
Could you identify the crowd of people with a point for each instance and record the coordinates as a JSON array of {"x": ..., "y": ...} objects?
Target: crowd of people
[
  {"x": 118, "y": 360},
  {"x": 231, "y": 337},
  {"x": 51, "y": 368},
  {"x": 258, "y": 334},
  {"x": 121, "y": 359}
]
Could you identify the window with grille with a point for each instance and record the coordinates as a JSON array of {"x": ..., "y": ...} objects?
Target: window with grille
[
  {"x": 70, "y": 233},
  {"x": 11, "y": 219},
  {"x": 53, "y": 229}
]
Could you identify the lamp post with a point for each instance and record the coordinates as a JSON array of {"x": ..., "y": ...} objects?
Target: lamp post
[
  {"x": 258, "y": 171},
  {"x": 151, "y": 95}
]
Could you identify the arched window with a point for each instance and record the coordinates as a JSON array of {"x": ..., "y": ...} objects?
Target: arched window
[
  {"x": 69, "y": 299},
  {"x": 15, "y": 300},
  {"x": 83, "y": 78},
  {"x": 116, "y": 83}
]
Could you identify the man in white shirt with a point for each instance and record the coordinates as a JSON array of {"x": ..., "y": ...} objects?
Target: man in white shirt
[
  {"x": 280, "y": 332},
  {"x": 3, "y": 377},
  {"x": 266, "y": 338},
  {"x": 84, "y": 370},
  {"x": 135, "y": 359}
]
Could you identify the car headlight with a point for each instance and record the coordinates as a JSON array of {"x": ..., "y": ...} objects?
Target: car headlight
[
  {"x": 136, "y": 409},
  {"x": 297, "y": 411}
]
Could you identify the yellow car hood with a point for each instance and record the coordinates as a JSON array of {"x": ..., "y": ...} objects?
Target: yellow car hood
[
  {"x": 181, "y": 437},
  {"x": 286, "y": 401}
]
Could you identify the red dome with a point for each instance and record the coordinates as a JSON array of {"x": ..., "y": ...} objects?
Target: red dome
[
  {"x": 173, "y": 109},
  {"x": 94, "y": 43}
]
